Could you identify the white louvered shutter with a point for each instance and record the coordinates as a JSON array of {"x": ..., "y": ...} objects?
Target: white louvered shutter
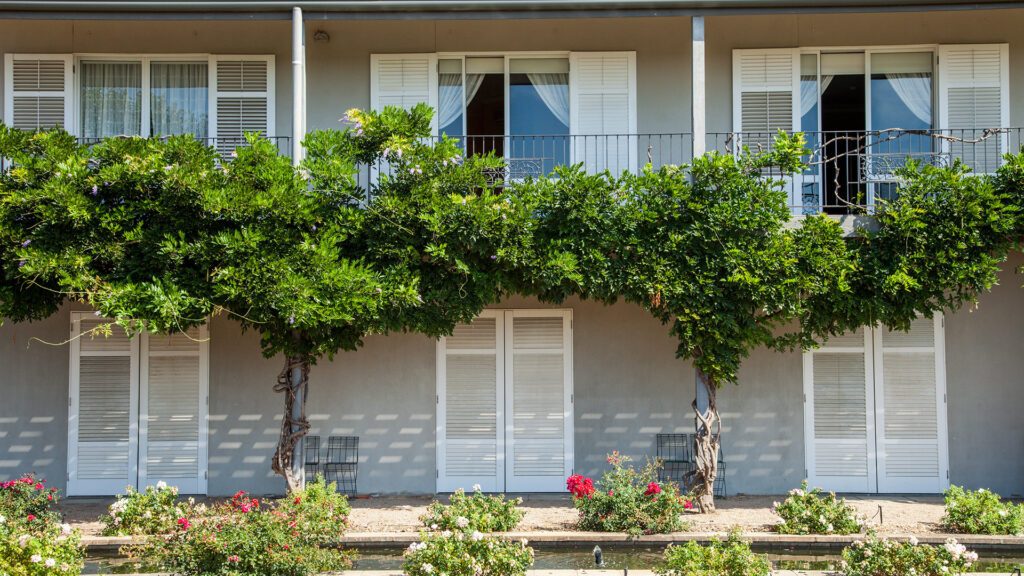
[
  {"x": 974, "y": 96},
  {"x": 403, "y": 80},
  {"x": 470, "y": 403},
  {"x": 38, "y": 89},
  {"x": 172, "y": 414},
  {"x": 603, "y": 110},
  {"x": 102, "y": 443},
  {"x": 839, "y": 424},
  {"x": 766, "y": 99},
  {"x": 538, "y": 446},
  {"x": 910, "y": 409},
  {"x": 243, "y": 99}
]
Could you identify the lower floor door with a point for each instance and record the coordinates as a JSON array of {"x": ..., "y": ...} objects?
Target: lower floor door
[
  {"x": 504, "y": 402},
  {"x": 875, "y": 411},
  {"x": 136, "y": 410}
]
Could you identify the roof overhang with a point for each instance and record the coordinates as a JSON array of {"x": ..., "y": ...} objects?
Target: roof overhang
[{"x": 458, "y": 9}]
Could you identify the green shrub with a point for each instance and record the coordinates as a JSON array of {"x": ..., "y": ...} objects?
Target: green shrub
[
  {"x": 320, "y": 512},
  {"x": 466, "y": 553},
  {"x": 151, "y": 511},
  {"x": 716, "y": 558},
  {"x": 628, "y": 500},
  {"x": 39, "y": 547},
  {"x": 981, "y": 512},
  {"x": 26, "y": 497},
  {"x": 476, "y": 512},
  {"x": 245, "y": 536},
  {"x": 881, "y": 557},
  {"x": 813, "y": 512}
]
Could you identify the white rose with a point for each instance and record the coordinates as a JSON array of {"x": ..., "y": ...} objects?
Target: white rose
[
  {"x": 428, "y": 568},
  {"x": 36, "y": 558},
  {"x": 2, "y": 519},
  {"x": 161, "y": 485},
  {"x": 433, "y": 526},
  {"x": 477, "y": 536},
  {"x": 23, "y": 540},
  {"x": 50, "y": 562},
  {"x": 477, "y": 488},
  {"x": 462, "y": 521},
  {"x": 913, "y": 541},
  {"x": 65, "y": 529}
]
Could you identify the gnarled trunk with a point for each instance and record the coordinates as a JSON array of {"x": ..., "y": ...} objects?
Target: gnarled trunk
[
  {"x": 705, "y": 449},
  {"x": 293, "y": 381}
]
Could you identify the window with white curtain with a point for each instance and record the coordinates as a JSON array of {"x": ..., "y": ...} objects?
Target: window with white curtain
[{"x": 115, "y": 96}]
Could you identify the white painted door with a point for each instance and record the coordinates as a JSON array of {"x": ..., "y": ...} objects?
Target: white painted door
[
  {"x": 538, "y": 399},
  {"x": 505, "y": 402},
  {"x": 172, "y": 423},
  {"x": 875, "y": 412},
  {"x": 102, "y": 408},
  {"x": 841, "y": 435},
  {"x": 136, "y": 409},
  {"x": 910, "y": 408},
  {"x": 470, "y": 405}
]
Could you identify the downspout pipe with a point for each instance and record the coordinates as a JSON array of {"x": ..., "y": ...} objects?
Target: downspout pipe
[
  {"x": 298, "y": 85},
  {"x": 298, "y": 131}
]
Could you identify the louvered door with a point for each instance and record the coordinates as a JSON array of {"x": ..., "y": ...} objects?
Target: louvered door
[
  {"x": 470, "y": 414},
  {"x": 38, "y": 88},
  {"x": 973, "y": 97},
  {"x": 538, "y": 400},
  {"x": 402, "y": 80},
  {"x": 242, "y": 101},
  {"x": 603, "y": 111},
  {"x": 505, "y": 402},
  {"x": 910, "y": 408},
  {"x": 838, "y": 391},
  {"x": 766, "y": 99},
  {"x": 172, "y": 423},
  {"x": 875, "y": 413},
  {"x": 103, "y": 408}
]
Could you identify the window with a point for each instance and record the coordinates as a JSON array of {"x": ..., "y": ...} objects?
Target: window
[{"x": 116, "y": 96}]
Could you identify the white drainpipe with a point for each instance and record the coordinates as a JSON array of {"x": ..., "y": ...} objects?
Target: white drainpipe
[
  {"x": 699, "y": 124},
  {"x": 298, "y": 85}
]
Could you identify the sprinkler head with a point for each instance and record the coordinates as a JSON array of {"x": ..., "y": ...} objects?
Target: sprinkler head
[{"x": 598, "y": 557}]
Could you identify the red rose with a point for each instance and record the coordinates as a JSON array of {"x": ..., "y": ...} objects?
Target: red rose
[
  {"x": 39, "y": 485},
  {"x": 688, "y": 505},
  {"x": 184, "y": 524},
  {"x": 580, "y": 486},
  {"x": 298, "y": 500},
  {"x": 653, "y": 489},
  {"x": 30, "y": 517}
]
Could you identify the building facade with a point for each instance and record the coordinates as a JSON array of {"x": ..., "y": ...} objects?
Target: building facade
[{"x": 530, "y": 393}]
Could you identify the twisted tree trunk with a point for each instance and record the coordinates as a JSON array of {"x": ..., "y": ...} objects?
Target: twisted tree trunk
[
  {"x": 705, "y": 449},
  {"x": 293, "y": 381}
]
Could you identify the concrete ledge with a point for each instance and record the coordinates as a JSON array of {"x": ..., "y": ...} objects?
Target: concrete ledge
[{"x": 556, "y": 539}]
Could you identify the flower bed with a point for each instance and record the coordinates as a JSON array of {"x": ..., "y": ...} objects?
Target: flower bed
[
  {"x": 628, "y": 500},
  {"x": 296, "y": 536},
  {"x": 716, "y": 558},
  {"x": 882, "y": 557},
  {"x": 155, "y": 510},
  {"x": 981, "y": 512},
  {"x": 466, "y": 553}
]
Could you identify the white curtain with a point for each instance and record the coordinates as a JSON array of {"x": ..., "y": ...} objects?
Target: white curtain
[
  {"x": 809, "y": 91},
  {"x": 111, "y": 99},
  {"x": 179, "y": 98},
  {"x": 554, "y": 91},
  {"x": 449, "y": 102},
  {"x": 915, "y": 90},
  {"x": 473, "y": 83}
]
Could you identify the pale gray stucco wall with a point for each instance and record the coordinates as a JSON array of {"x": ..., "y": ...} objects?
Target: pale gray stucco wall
[{"x": 726, "y": 33}]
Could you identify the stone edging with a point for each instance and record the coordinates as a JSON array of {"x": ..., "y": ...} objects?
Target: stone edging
[{"x": 383, "y": 539}]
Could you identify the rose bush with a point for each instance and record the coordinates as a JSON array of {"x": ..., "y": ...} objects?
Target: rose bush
[
  {"x": 33, "y": 541},
  {"x": 154, "y": 510},
  {"x": 981, "y": 512},
  {"x": 813, "y": 512},
  {"x": 628, "y": 500},
  {"x": 296, "y": 536},
  {"x": 477, "y": 512},
  {"x": 466, "y": 553},
  {"x": 716, "y": 558},
  {"x": 883, "y": 557},
  {"x": 28, "y": 496}
]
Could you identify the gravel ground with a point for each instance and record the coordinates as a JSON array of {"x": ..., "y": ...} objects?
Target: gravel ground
[{"x": 900, "y": 515}]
